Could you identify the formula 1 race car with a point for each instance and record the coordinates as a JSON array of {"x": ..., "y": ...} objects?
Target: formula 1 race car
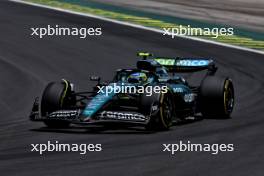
[{"x": 151, "y": 95}]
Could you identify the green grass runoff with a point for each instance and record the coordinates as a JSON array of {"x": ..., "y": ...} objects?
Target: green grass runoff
[{"x": 240, "y": 37}]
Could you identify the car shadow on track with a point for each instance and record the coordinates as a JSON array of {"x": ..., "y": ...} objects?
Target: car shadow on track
[{"x": 95, "y": 130}]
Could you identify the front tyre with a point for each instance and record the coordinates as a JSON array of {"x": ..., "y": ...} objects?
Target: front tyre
[
  {"x": 55, "y": 97},
  {"x": 160, "y": 108},
  {"x": 217, "y": 97}
]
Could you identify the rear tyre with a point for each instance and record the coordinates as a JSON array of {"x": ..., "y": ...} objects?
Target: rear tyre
[
  {"x": 216, "y": 97},
  {"x": 160, "y": 108},
  {"x": 55, "y": 97}
]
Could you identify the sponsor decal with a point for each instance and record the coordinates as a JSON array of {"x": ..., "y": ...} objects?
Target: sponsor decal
[
  {"x": 64, "y": 114},
  {"x": 189, "y": 97},
  {"x": 182, "y": 62},
  {"x": 178, "y": 89},
  {"x": 168, "y": 62},
  {"x": 122, "y": 116},
  {"x": 192, "y": 62}
]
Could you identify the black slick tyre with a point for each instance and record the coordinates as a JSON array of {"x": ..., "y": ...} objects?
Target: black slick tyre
[
  {"x": 55, "y": 98},
  {"x": 160, "y": 109},
  {"x": 216, "y": 97}
]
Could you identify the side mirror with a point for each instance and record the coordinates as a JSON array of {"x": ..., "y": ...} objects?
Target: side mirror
[{"x": 95, "y": 78}]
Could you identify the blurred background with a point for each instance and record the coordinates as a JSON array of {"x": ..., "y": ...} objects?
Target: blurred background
[{"x": 239, "y": 13}]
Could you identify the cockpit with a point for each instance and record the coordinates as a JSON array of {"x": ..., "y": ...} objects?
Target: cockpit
[{"x": 134, "y": 76}]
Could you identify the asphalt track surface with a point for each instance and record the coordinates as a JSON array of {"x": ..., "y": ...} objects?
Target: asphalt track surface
[{"x": 27, "y": 64}]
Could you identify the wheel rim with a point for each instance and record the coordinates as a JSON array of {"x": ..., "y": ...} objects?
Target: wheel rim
[
  {"x": 228, "y": 98},
  {"x": 167, "y": 110}
]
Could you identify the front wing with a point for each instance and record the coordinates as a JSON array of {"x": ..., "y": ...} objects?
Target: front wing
[{"x": 76, "y": 116}]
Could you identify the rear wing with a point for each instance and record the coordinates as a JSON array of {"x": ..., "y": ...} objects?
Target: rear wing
[{"x": 187, "y": 64}]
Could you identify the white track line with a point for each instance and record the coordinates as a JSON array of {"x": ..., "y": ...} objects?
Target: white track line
[{"x": 137, "y": 26}]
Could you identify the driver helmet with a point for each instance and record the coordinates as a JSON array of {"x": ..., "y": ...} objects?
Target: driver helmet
[{"x": 137, "y": 77}]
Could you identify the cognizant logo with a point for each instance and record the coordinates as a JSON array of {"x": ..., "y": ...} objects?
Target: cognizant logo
[{"x": 192, "y": 63}]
